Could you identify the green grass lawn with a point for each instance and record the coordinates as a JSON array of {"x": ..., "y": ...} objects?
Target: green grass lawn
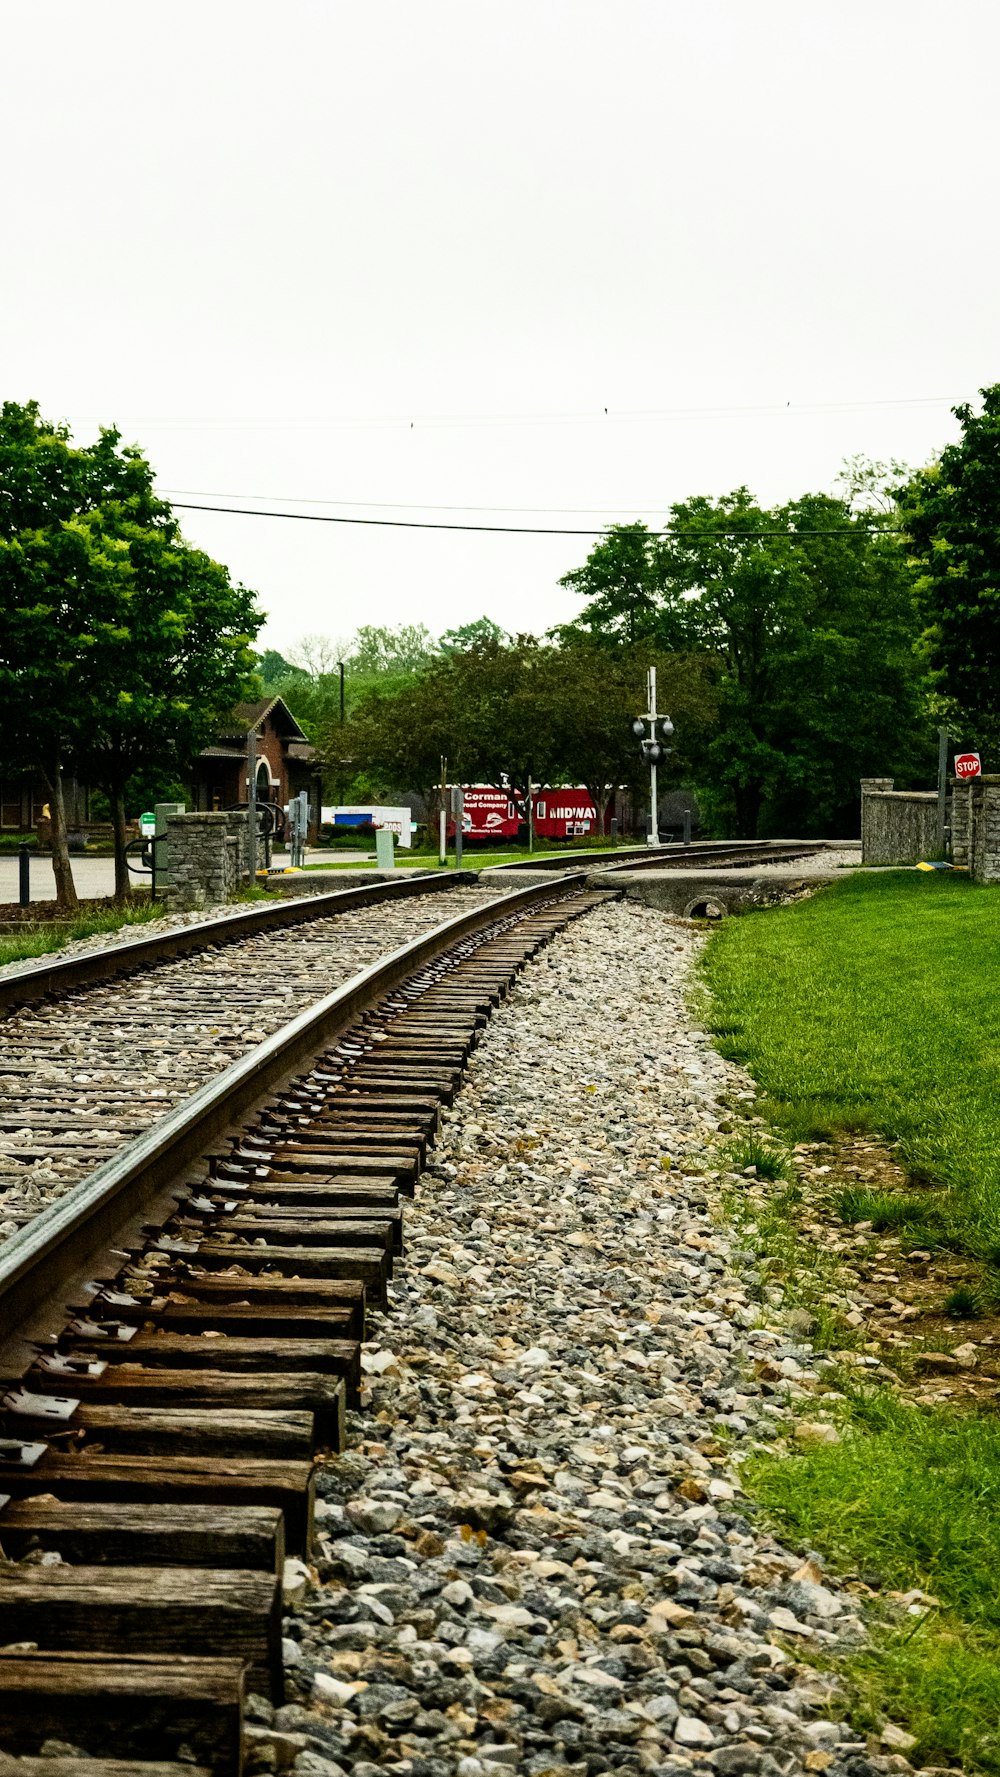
[
  {"x": 476, "y": 858},
  {"x": 19, "y": 947},
  {"x": 908, "y": 1499},
  {"x": 874, "y": 1005}
]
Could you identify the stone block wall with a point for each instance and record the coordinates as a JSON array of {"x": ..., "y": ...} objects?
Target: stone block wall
[
  {"x": 206, "y": 858},
  {"x": 983, "y": 838},
  {"x": 961, "y": 823},
  {"x": 897, "y": 826},
  {"x": 900, "y": 827}
]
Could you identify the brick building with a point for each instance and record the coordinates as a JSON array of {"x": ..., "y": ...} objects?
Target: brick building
[
  {"x": 24, "y": 802},
  {"x": 285, "y": 761}
]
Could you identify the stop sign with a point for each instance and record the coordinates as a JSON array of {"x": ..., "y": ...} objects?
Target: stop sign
[{"x": 968, "y": 765}]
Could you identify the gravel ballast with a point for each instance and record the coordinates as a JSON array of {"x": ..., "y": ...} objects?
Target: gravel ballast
[
  {"x": 535, "y": 1557},
  {"x": 81, "y": 1077}
]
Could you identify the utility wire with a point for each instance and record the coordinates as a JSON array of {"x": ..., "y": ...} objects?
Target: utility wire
[
  {"x": 597, "y": 415},
  {"x": 528, "y": 530},
  {"x": 192, "y": 493}
]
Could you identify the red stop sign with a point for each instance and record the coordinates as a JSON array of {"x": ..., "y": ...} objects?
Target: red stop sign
[{"x": 968, "y": 765}]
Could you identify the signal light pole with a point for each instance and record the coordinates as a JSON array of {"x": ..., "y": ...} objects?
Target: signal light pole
[{"x": 651, "y": 749}]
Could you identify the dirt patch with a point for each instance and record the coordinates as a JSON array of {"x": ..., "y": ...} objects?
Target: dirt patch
[{"x": 890, "y": 1290}]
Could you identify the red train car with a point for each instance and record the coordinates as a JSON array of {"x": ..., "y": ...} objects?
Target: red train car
[
  {"x": 494, "y": 814},
  {"x": 489, "y": 813},
  {"x": 565, "y": 813}
]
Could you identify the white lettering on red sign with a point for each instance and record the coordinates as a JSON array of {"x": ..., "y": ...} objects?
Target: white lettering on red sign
[{"x": 968, "y": 765}]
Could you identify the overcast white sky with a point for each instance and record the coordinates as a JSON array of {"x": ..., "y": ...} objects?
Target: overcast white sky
[{"x": 405, "y": 253}]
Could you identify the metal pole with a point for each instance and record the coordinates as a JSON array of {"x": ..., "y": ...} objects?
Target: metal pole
[
  {"x": 340, "y": 669},
  {"x": 458, "y": 805},
  {"x": 443, "y": 815},
  {"x": 942, "y": 787},
  {"x": 653, "y": 836},
  {"x": 252, "y": 806},
  {"x": 687, "y": 826},
  {"x": 24, "y": 874},
  {"x": 531, "y": 811}
]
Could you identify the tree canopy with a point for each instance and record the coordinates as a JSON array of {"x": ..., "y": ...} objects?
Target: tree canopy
[
  {"x": 511, "y": 713},
  {"x": 620, "y": 580},
  {"x": 810, "y": 620},
  {"x": 951, "y": 514},
  {"x": 121, "y": 646}
]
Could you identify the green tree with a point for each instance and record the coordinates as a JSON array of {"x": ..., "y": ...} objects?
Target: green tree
[
  {"x": 597, "y": 693},
  {"x": 273, "y": 669},
  {"x": 377, "y": 651},
  {"x": 469, "y": 635},
  {"x": 169, "y": 660},
  {"x": 488, "y": 709},
  {"x": 54, "y": 581},
  {"x": 620, "y": 580},
  {"x": 507, "y": 699},
  {"x": 951, "y": 514},
  {"x": 121, "y": 647},
  {"x": 314, "y": 702},
  {"x": 394, "y": 739},
  {"x": 811, "y": 617},
  {"x": 509, "y": 715}
]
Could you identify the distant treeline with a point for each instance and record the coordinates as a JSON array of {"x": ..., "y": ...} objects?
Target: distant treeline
[{"x": 798, "y": 647}]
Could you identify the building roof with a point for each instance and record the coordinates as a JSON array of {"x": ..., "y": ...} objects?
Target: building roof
[{"x": 247, "y": 716}]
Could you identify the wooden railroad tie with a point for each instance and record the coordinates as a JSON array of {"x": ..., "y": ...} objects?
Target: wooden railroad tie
[{"x": 164, "y": 1443}]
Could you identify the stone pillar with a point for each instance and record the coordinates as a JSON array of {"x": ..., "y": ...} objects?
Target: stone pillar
[
  {"x": 206, "y": 858},
  {"x": 984, "y": 838},
  {"x": 871, "y": 786},
  {"x": 960, "y": 806}
]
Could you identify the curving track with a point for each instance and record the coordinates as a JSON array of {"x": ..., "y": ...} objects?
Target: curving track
[
  {"x": 179, "y": 1336},
  {"x": 700, "y": 854},
  {"x": 92, "y": 1058}
]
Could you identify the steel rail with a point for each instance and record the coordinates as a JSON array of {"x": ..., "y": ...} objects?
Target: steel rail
[
  {"x": 744, "y": 856},
  {"x": 66, "y": 1241},
  {"x": 61, "y": 975},
  {"x": 666, "y": 856}
]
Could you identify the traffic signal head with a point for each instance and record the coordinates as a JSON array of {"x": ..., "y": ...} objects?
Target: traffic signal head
[{"x": 638, "y": 727}]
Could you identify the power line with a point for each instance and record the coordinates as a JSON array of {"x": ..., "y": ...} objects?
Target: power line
[
  {"x": 179, "y": 493},
  {"x": 598, "y": 415},
  {"x": 527, "y": 530}
]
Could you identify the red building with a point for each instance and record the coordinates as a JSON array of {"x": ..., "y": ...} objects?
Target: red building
[{"x": 220, "y": 776}]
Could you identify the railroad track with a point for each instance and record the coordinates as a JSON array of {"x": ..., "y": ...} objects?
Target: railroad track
[
  {"x": 98, "y": 1044},
  {"x": 727, "y": 855},
  {"x": 699, "y": 855},
  {"x": 179, "y": 1337}
]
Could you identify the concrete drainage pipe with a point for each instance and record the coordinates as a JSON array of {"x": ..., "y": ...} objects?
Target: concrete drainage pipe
[{"x": 705, "y": 909}]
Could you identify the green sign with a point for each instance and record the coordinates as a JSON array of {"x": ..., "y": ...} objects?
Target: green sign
[{"x": 147, "y": 825}]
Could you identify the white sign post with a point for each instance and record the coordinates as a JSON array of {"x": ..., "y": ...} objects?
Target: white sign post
[{"x": 651, "y": 749}]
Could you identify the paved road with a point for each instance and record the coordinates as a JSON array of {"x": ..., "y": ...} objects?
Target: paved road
[{"x": 95, "y": 877}]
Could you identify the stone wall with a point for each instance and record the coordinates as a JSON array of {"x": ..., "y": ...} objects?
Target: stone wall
[
  {"x": 897, "y": 826},
  {"x": 206, "y": 858},
  {"x": 981, "y": 830},
  {"x": 961, "y": 824},
  {"x": 900, "y": 826}
]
